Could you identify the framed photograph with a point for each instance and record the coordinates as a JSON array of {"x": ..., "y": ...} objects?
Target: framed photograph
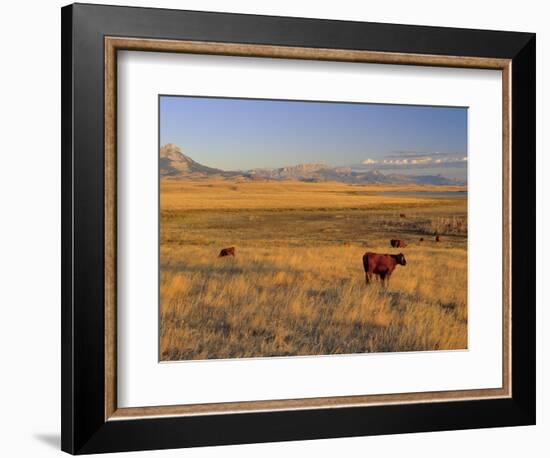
[{"x": 281, "y": 228}]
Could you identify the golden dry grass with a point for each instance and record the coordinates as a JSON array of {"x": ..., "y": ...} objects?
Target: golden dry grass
[
  {"x": 216, "y": 193},
  {"x": 296, "y": 285}
]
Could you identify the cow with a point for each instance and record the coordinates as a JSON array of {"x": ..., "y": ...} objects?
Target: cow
[
  {"x": 381, "y": 265},
  {"x": 437, "y": 239},
  {"x": 402, "y": 215},
  {"x": 421, "y": 239},
  {"x": 230, "y": 251},
  {"x": 396, "y": 243}
]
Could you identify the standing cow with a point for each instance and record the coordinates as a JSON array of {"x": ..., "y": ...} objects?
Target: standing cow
[
  {"x": 227, "y": 252},
  {"x": 381, "y": 265},
  {"x": 396, "y": 243}
]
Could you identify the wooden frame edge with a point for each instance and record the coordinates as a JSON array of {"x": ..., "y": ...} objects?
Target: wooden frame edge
[
  {"x": 291, "y": 52},
  {"x": 507, "y": 227},
  {"x": 112, "y": 45},
  {"x": 335, "y": 402},
  {"x": 110, "y": 90}
]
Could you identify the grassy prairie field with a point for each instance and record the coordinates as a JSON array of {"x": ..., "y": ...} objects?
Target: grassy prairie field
[{"x": 296, "y": 285}]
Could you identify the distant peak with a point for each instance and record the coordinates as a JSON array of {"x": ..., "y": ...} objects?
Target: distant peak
[
  {"x": 174, "y": 163},
  {"x": 171, "y": 151},
  {"x": 307, "y": 167}
]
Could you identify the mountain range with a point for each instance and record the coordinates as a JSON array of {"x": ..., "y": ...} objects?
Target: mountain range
[{"x": 173, "y": 163}]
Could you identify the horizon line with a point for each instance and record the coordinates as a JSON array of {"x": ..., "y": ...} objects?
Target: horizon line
[{"x": 362, "y": 165}]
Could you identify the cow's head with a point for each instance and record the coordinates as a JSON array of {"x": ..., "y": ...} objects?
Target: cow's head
[{"x": 400, "y": 258}]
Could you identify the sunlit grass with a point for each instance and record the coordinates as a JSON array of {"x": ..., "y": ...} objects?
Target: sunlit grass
[{"x": 239, "y": 193}]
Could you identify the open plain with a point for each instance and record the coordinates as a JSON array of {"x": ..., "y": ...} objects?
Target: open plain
[{"x": 296, "y": 285}]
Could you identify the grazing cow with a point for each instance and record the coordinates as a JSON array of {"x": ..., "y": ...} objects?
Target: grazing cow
[
  {"x": 396, "y": 243},
  {"x": 421, "y": 239},
  {"x": 227, "y": 252},
  {"x": 402, "y": 215},
  {"x": 382, "y": 265},
  {"x": 437, "y": 239}
]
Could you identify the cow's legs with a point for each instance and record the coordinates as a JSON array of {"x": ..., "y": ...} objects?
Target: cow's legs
[{"x": 367, "y": 278}]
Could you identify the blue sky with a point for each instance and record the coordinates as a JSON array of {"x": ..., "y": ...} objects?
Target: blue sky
[{"x": 241, "y": 134}]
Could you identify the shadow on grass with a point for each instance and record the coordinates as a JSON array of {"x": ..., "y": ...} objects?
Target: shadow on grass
[{"x": 229, "y": 267}]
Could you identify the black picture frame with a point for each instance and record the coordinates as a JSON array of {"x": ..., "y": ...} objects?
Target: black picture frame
[{"x": 84, "y": 429}]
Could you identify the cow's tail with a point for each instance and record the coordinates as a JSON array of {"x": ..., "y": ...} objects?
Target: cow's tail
[
  {"x": 366, "y": 262},
  {"x": 366, "y": 267}
]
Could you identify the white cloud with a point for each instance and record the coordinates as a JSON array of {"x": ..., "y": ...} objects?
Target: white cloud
[
  {"x": 370, "y": 161},
  {"x": 412, "y": 159}
]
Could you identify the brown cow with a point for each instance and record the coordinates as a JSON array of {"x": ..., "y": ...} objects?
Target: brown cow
[
  {"x": 421, "y": 239},
  {"x": 230, "y": 251},
  {"x": 382, "y": 265},
  {"x": 402, "y": 215},
  {"x": 437, "y": 239},
  {"x": 396, "y": 243}
]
